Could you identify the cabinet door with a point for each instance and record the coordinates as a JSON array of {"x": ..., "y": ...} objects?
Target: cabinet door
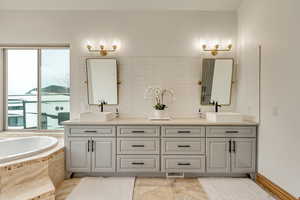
[
  {"x": 243, "y": 157},
  {"x": 103, "y": 154},
  {"x": 218, "y": 155},
  {"x": 78, "y": 155}
]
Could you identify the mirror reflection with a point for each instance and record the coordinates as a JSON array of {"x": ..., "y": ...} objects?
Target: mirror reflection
[
  {"x": 102, "y": 80},
  {"x": 216, "y": 81}
]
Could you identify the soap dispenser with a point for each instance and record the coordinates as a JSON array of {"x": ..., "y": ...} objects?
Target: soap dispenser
[{"x": 117, "y": 113}]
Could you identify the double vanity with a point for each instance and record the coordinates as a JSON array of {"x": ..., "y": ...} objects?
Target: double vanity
[
  {"x": 142, "y": 147},
  {"x": 221, "y": 145}
]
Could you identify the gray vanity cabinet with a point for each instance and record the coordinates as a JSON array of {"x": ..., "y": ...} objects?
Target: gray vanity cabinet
[
  {"x": 91, "y": 154},
  {"x": 218, "y": 155},
  {"x": 138, "y": 149},
  {"x": 243, "y": 157},
  {"x": 78, "y": 155},
  {"x": 157, "y": 149},
  {"x": 183, "y": 149},
  {"x": 231, "y": 150},
  {"x": 90, "y": 148},
  {"x": 104, "y": 155}
]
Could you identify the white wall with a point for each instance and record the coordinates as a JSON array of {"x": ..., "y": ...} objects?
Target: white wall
[
  {"x": 157, "y": 48},
  {"x": 275, "y": 25}
]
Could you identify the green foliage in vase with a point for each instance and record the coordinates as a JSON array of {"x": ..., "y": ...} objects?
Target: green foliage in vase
[{"x": 159, "y": 106}]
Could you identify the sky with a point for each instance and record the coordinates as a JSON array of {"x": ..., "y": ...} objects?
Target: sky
[{"x": 22, "y": 69}]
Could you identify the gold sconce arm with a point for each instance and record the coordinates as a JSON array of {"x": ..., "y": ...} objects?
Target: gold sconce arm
[
  {"x": 214, "y": 51},
  {"x": 102, "y": 51}
]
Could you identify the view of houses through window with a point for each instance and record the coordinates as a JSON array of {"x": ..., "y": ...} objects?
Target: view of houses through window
[{"x": 38, "y": 88}]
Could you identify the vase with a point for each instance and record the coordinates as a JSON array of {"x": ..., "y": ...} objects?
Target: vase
[{"x": 159, "y": 113}]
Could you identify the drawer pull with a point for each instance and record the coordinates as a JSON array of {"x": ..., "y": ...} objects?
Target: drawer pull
[
  {"x": 183, "y": 146},
  {"x": 137, "y": 131},
  {"x": 138, "y": 145},
  {"x": 234, "y": 147},
  {"x": 183, "y": 131},
  {"x": 90, "y": 131},
  {"x": 137, "y": 163},
  {"x": 88, "y": 146},
  {"x": 93, "y": 142},
  {"x": 184, "y": 164},
  {"x": 231, "y": 131}
]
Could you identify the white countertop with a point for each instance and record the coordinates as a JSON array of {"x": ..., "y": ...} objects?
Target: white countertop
[{"x": 144, "y": 121}]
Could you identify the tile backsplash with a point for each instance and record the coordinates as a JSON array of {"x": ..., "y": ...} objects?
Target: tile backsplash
[{"x": 181, "y": 74}]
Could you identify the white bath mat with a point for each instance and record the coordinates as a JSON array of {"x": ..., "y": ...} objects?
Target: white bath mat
[
  {"x": 233, "y": 189},
  {"x": 98, "y": 188}
]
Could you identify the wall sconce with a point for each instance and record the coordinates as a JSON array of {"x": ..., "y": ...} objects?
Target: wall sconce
[
  {"x": 102, "y": 51},
  {"x": 216, "y": 49}
]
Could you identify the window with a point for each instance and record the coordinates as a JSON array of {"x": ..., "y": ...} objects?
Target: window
[{"x": 38, "y": 88}]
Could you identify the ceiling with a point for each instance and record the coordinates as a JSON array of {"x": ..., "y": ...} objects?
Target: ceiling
[{"x": 203, "y": 5}]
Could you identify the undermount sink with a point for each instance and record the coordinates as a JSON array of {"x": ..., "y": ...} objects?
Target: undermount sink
[
  {"x": 224, "y": 117},
  {"x": 97, "y": 116}
]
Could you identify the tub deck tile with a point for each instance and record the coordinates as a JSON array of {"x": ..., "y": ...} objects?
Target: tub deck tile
[{"x": 39, "y": 189}]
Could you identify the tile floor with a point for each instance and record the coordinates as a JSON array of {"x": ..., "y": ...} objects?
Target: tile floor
[
  {"x": 168, "y": 189},
  {"x": 66, "y": 188},
  {"x": 184, "y": 189}
]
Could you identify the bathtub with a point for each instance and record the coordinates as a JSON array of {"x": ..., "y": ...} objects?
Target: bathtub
[{"x": 18, "y": 148}]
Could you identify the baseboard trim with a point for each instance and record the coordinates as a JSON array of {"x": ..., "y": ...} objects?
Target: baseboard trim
[{"x": 273, "y": 188}]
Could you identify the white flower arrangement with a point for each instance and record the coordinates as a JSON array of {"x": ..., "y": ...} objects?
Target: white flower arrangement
[{"x": 158, "y": 94}]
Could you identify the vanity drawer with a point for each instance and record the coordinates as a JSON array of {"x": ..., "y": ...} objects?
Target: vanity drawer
[
  {"x": 105, "y": 131},
  {"x": 231, "y": 131},
  {"x": 138, "y": 163},
  {"x": 183, "y": 131},
  {"x": 192, "y": 146},
  {"x": 138, "y": 131},
  {"x": 194, "y": 164},
  {"x": 137, "y": 146}
]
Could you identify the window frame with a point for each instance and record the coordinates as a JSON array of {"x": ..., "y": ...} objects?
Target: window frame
[{"x": 39, "y": 74}]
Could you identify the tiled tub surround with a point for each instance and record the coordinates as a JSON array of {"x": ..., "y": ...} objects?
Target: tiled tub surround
[
  {"x": 34, "y": 177},
  {"x": 141, "y": 147}
]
